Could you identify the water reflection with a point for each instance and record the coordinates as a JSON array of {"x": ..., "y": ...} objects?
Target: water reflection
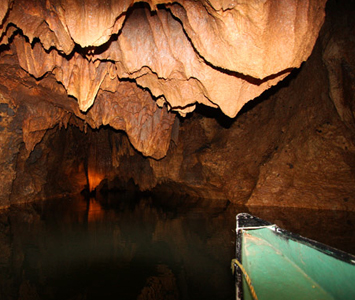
[{"x": 124, "y": 247}]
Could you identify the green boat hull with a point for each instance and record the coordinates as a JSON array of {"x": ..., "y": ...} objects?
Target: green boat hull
[{"x": 282, "y": 265}]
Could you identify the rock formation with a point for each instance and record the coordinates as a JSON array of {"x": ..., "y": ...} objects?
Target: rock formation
[
  {"x": 218, "y": 54},
  {"x": 128, "y": 74}
]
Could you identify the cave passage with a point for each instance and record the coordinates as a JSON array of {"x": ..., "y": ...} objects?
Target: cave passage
[
  {"x": 132, "y": 134},
  {"x": 187, "y": 98},
  {"x": 127, "y": 245}
]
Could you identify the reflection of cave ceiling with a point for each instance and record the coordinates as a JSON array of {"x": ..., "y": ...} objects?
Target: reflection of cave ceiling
[{"x": 218, "y": 53}]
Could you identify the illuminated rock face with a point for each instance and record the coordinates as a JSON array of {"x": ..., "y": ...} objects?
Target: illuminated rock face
[
  {"x": 133, "y": 67},
  {"x": 221, "y": 54}
]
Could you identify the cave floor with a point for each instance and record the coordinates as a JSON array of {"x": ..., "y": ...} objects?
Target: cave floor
[{"x": 124, "y": 246}]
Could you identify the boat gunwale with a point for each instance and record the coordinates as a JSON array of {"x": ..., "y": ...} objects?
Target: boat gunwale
[{"x": 246, "y": 222}]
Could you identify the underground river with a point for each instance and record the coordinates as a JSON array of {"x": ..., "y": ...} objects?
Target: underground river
[{"x": 133, "y": 246}]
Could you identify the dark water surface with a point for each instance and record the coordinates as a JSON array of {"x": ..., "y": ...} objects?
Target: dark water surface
[{"x": 123, "y": 247}]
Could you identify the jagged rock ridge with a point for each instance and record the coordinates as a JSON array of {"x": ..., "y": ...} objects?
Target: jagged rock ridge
[{"x": 221, "y": 54}]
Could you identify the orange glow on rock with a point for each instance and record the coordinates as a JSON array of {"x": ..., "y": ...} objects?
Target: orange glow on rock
[{"x": 94, "y": 179}]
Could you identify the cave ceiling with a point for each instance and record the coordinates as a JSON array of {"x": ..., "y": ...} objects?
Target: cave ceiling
[{"x": 134, "y": 66}]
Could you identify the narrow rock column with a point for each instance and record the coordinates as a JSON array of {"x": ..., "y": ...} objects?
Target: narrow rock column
[{"x": 10, "y": 139}]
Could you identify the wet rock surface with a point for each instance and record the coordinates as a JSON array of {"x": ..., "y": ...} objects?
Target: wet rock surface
[{"x": 83, "y": 109}]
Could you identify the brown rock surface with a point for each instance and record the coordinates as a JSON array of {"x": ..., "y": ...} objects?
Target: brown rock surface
[
  {"x": 10, "y": 138},
  {"x": 246, "y": 36},
  {"x": 294, "y": 147},
  {"x": 219, "y": 54},
  {"x": 89, "y": 101}
]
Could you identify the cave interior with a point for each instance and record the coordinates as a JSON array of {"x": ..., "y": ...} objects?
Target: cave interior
[
  {"x": 239, "y": 103},
  {"x": 128, "y": 105},
  {"x": 148, "y": 100}
]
